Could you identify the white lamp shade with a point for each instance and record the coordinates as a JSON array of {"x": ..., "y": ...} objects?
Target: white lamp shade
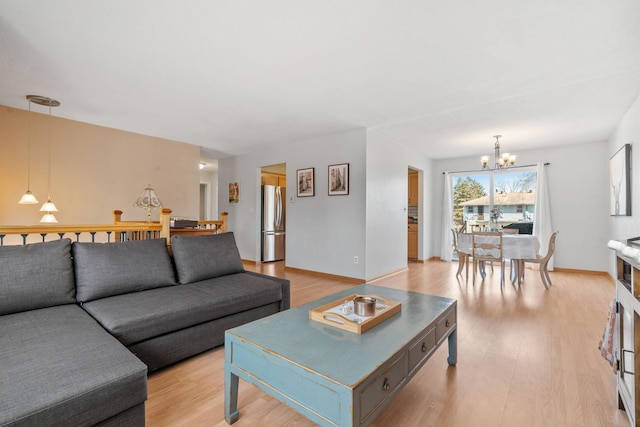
[
  {"x": 48, "y": 206},
  {"x": 28, "y": 199},
  {"x": 49, "y": 218}
]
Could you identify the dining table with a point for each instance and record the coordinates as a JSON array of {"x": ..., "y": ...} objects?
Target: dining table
[{"x": 515, "y": 247}]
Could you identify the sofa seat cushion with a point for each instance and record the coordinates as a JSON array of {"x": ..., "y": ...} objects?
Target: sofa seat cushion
[
  {"x": 205, "y": 257},
  {"x": 136, "y": 317},
  {"x": 64, "y": 369},
  {"x": 107, "y": 269},
  {"x": 36, "y": 275}
]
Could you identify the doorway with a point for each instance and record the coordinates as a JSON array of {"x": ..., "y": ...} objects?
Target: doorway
[
  {"x": 413, "y": 208},
  {"x": 204, "y": 202},
  {"x": 273, "y": 188}
]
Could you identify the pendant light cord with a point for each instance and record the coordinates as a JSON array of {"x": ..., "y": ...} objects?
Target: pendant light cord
[
  {"x": 29, "y": 149},
  {"x": 49, "y": 185}
]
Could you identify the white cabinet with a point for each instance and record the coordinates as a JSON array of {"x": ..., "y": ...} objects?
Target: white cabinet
[{"x": 627, "y": 335}]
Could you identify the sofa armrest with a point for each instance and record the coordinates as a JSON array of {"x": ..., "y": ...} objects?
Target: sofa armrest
[{"x": 285, "y": 303}]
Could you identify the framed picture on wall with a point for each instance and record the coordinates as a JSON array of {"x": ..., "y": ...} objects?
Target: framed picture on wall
[
  {"x": 234, "y": 192},
  {"x": 620, "y": 182},
  {"x": 306, "y": 180},
  {"x": 339, "y": 179}
]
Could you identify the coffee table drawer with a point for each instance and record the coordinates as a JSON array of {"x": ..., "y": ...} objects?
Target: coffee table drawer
[
  {"x": 384, "y": 385},
  {"x": 444, "y": 325},
  {"x": 421, "y": 349}
]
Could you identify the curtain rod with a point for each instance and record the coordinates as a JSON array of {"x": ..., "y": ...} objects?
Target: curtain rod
[{"x": 484, "y": 170}]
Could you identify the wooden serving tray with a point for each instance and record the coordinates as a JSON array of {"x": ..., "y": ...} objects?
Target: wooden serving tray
[{"x": 332, "y": 314}]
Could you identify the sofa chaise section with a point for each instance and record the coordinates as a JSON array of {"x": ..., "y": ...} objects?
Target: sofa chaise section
[{"x": 58, "y": 367}]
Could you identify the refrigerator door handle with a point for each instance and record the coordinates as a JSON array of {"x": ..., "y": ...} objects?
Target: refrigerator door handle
[{"x": 278, "y": 207}]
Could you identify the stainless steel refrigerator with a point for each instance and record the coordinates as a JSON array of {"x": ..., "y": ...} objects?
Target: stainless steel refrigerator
[{"x": 273, "y": 222}]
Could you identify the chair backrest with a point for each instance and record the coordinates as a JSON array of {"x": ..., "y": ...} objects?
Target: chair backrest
[
  {"x": 487, "y": 245},
  {"x": 455, "y": 239},
  {"x": 552, "y": 246}
]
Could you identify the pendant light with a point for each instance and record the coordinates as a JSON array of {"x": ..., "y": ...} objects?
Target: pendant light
[
  {"x": 48, "y": 206},
  {"x": 28, "y": 198}
]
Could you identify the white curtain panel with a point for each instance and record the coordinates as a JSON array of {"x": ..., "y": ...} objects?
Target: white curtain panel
[
  {"x": 446, "y": 248},
  {"x": 542, "y": 227}
]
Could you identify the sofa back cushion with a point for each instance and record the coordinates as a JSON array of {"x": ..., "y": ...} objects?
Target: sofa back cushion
[
  {"x": 107, "y": 269},
  {"x": 36, "y": 275},
  {"x": 205, "y": 257}
]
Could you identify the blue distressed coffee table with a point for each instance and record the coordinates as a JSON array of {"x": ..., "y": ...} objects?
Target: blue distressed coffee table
[{"x": 332, "y": 376}]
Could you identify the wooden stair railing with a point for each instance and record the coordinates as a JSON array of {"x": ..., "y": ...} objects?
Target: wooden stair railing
[
  {"x": 204, "y": 226},
  {"x": 116, "y": 232},
  {"x": 162, "y": 226}
]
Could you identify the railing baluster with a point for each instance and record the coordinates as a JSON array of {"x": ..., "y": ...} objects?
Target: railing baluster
[
  {"x": 93, "y": 236},
  {"x": 61, "y": 235},
  {"x": 24, "y": 238},
  {"x": 43, "y": 236},
  {"x": 108, "y": 237},
  {"x": 2, "y": 239},
  {"x": 77, "y": 233}
]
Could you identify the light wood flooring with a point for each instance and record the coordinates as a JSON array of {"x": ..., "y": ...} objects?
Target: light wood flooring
[{"x": 526, "y": 357}]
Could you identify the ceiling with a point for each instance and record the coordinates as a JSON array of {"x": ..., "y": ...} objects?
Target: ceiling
[{"x": 233, "y": 76}]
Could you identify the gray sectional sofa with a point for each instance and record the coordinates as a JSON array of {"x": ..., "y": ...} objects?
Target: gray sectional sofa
[{"x": 81, "y": 324}]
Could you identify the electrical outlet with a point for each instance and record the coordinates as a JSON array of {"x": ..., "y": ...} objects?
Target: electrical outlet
[{"x": 355, "y": 260}]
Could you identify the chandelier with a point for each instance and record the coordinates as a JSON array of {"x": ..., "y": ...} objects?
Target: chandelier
[{"x": 502, "y": 161}]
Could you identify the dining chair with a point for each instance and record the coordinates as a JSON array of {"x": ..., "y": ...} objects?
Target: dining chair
[
  {"x": 543, "y": 261},
  {"x": 463, "y": 258},
  {"x": 487, "y": 247}
]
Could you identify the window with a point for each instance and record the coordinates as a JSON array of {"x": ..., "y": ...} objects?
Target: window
[{"x": 489, "y": 200}]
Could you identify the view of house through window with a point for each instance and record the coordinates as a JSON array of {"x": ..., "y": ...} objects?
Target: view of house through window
[{"x": 494, "y": 201}]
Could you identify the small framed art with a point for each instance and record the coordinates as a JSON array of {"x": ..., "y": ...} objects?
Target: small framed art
[
  {"x": 339, "y": 179},
  {"x": 306, "y": 181},
  {"x": 234, "y": 192}
]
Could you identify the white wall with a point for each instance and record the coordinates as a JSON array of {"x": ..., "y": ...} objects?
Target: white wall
[
  {"x": 323, "y": 233},
  {"x": 578, "y": 188},
  {"x": 387, "y": 196},
  {"x": 627, "y": 132}
]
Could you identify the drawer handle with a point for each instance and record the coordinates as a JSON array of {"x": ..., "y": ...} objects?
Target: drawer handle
[
  {"x": 385, "y": 385},
  {"x": 424, "y": 347},
  {"x": 446, "y": 323}
]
